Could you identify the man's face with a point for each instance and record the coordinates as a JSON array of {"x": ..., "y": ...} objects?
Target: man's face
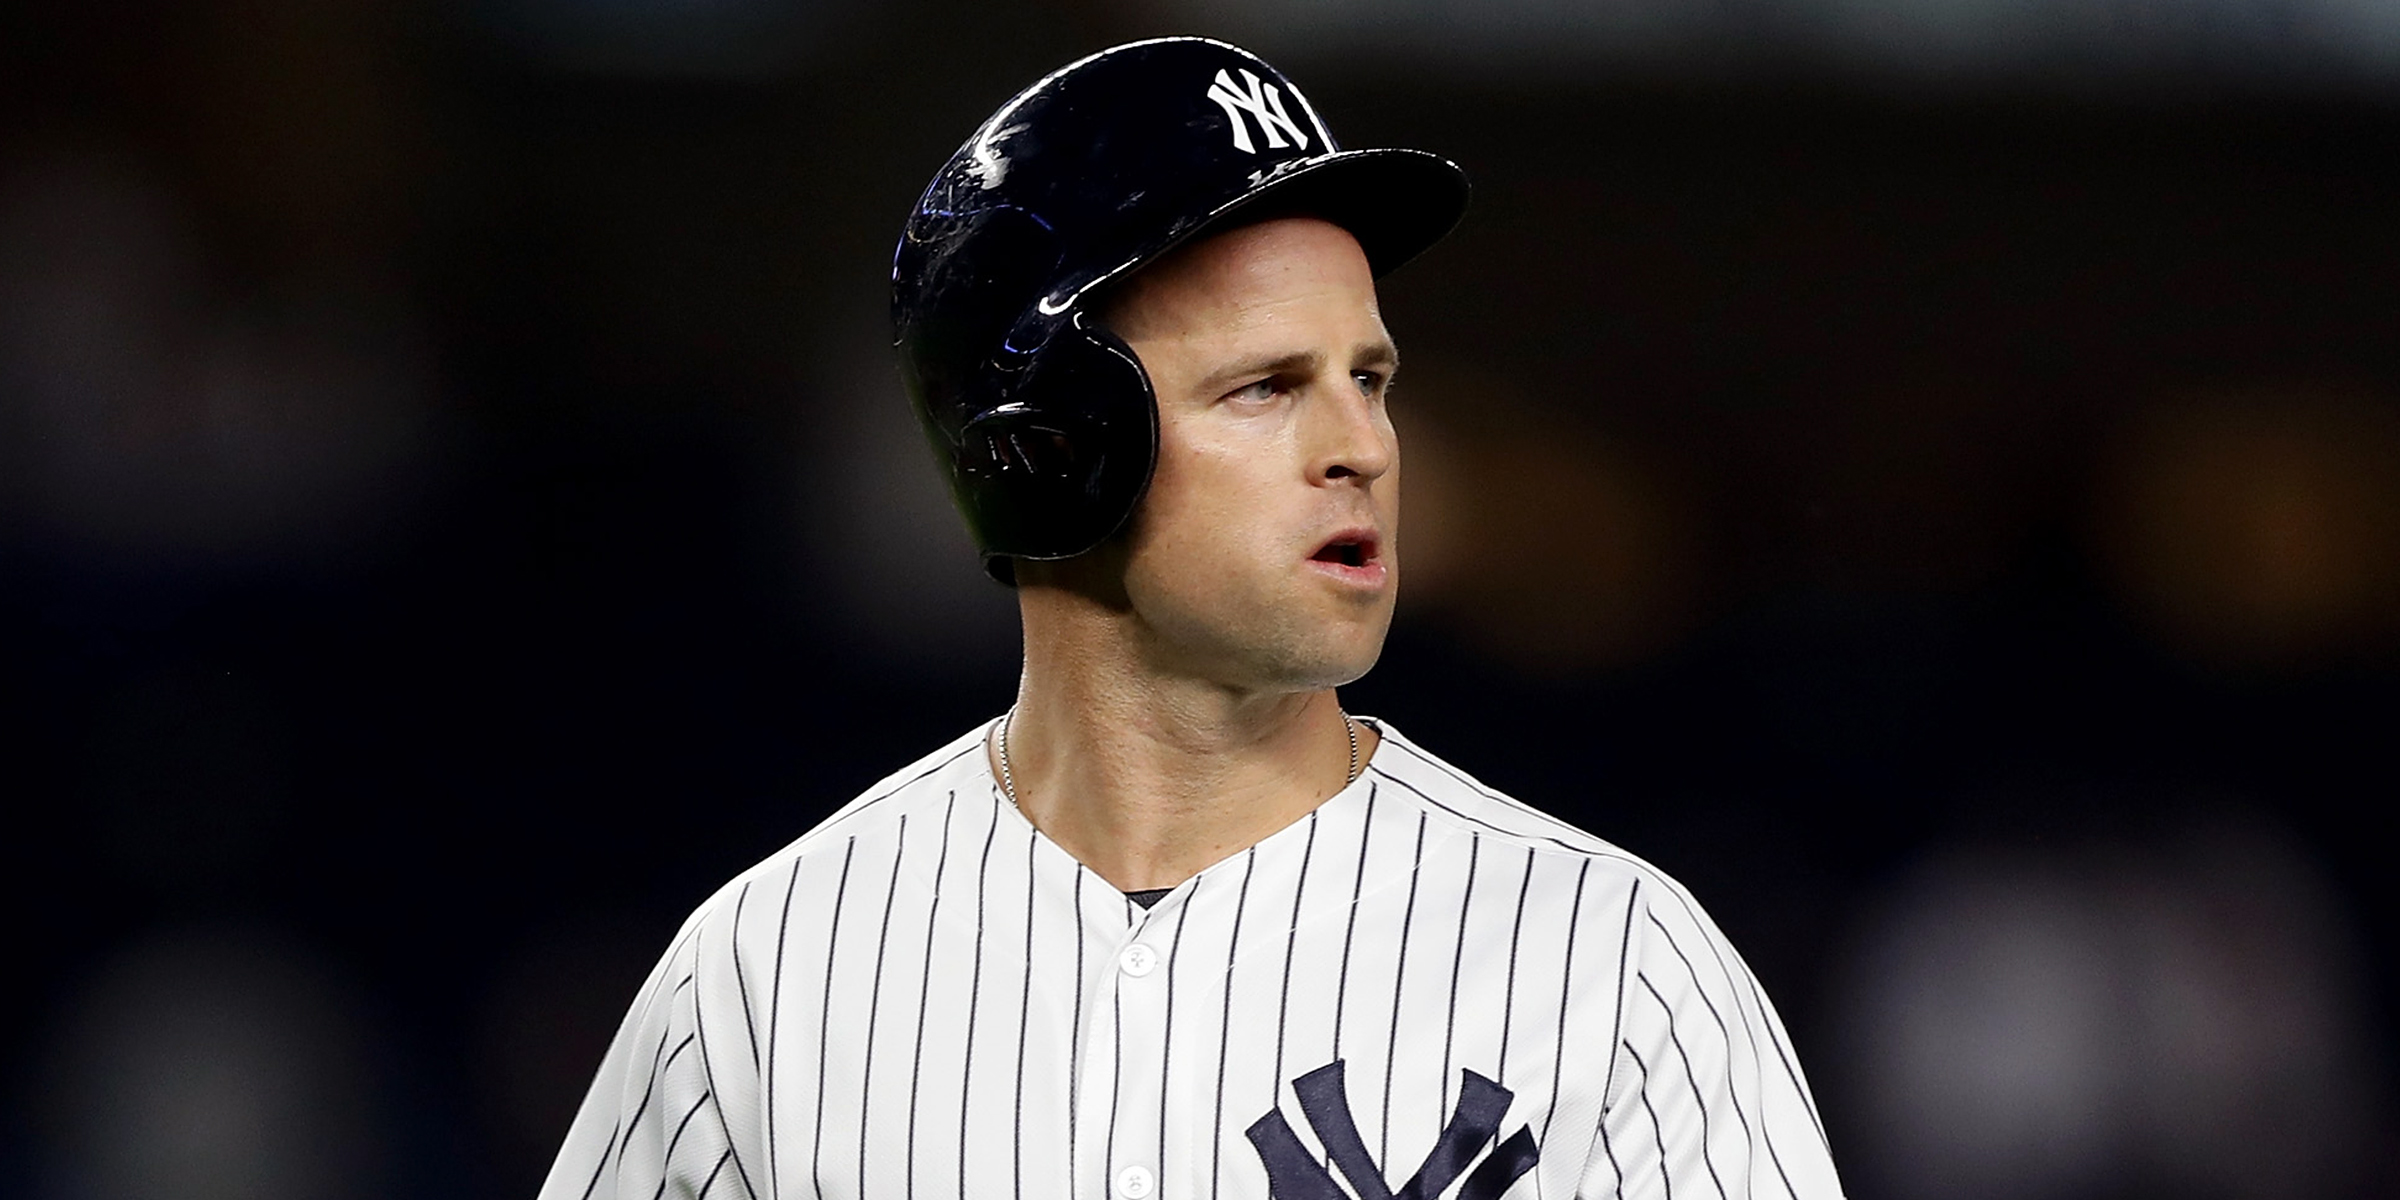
[{"x": 1263, "y": 554}]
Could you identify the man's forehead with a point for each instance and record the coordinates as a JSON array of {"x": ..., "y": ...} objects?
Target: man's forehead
[{"x": 1254, "y": 263}]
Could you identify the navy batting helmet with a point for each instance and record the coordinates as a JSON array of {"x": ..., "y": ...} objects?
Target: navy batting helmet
[{"x": 1044, "y": 422}]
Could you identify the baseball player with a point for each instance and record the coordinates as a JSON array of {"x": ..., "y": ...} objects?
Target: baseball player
[{"x": 1175, "y": 925}]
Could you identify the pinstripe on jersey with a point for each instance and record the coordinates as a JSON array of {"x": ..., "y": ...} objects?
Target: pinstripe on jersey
[{"x": 1422, "y": 990}]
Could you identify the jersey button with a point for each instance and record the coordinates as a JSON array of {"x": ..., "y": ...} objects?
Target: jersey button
[
  {"x": 1135, "y": 1183},
  {"x": 1137, "y": 960}
]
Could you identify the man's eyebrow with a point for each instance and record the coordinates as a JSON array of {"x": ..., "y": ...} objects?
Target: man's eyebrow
[
  {"x": 1295, "y": 362},
  {"x": 1379, "y": 353}
]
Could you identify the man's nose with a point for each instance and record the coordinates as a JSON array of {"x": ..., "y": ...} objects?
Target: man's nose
[{"x": 1354, "y": 444}]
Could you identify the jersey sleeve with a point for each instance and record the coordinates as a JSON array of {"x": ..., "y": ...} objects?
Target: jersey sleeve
[
  {"x": 1705, "y": 1097},
  {"x": 665, "y": 1114}
]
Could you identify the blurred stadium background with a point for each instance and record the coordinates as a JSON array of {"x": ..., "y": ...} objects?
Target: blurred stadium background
[{"x": 1926, "y": 472}]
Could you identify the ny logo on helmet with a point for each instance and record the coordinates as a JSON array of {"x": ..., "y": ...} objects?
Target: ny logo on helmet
[{"x": 1262, "y": 101}]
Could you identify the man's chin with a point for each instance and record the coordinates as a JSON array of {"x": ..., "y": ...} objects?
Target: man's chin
[
  {"x": 1351, "y": 657},
  {"x": 1282, "y": 667},
  {"x": 1316, "y": 668}
]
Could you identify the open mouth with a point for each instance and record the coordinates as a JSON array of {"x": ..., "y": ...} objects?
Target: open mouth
[{"x": 1347, "y": 550}]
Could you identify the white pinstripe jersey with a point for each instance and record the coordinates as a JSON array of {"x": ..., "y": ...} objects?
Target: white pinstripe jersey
[{"x": 1422, "y": 990}]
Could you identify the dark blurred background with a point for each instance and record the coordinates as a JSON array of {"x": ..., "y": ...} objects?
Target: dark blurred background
[{"x": 1925, "y": 472}]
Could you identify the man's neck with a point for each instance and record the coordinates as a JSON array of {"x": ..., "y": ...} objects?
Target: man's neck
[{"x": 1147, "y": 778}]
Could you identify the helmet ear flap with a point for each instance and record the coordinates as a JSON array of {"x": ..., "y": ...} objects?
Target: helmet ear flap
[{"x": 1061, "y": 464}]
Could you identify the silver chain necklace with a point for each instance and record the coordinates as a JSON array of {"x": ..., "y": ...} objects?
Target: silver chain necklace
[{"x": 1008, "y": 782}]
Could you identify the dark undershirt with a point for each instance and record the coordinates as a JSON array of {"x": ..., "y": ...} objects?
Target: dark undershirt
[{"x": 1149, "y": 897}]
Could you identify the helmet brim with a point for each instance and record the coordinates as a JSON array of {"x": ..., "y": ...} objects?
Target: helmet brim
[{"x": 1396, "y": 202}]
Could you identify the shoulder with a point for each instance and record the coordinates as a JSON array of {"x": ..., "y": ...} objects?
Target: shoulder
[
  {"x": 745, "y": 919},
  {"x": 1591, "y": 872},
  {"x": 729, "y": 948},
  {"x": 926, "y": 783},
  {"x": 1449, "y": 795},
  {"x": 921, "y": 789}
]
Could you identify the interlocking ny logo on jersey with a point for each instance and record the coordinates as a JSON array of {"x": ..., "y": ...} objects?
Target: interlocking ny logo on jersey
[
  {"x": 1295, "y": 1174},
  {"x": 1264, "y": 102}
]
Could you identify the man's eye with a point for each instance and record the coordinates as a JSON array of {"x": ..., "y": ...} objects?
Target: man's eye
[
  {"x": 1258, "y": 392},
  {"x": 1369, "y": 382}
]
